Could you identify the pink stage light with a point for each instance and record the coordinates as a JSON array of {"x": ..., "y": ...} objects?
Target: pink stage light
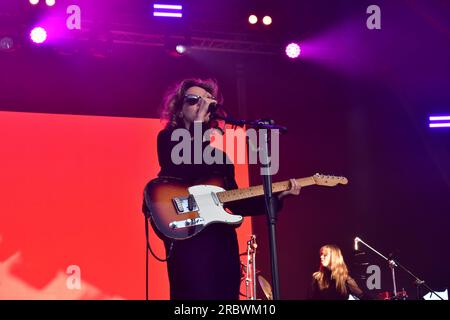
[
  {"x": 34, "y": 2},
  {"x": 293, "y": 50},
  {"x": 38, "y": 35},
  {"x": 50, "y": 3}
]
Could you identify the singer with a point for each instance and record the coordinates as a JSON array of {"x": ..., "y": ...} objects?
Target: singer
[{"x": 205, "y": 266}]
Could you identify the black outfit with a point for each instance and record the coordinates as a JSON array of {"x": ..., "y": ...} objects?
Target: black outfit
[
  {"x": 207, "y": 265},
  {"x": 331, "y": 292}
]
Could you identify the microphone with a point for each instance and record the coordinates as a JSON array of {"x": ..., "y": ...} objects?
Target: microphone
[
  {"x": 356, "y": 243},
  {"x": 213, "y": 107}
]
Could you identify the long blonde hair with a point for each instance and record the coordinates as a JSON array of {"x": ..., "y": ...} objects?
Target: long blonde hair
[{"x": 338, "y": 268}]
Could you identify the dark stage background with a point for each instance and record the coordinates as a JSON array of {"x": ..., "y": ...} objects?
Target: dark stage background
[{"x": 357, "y": 104}]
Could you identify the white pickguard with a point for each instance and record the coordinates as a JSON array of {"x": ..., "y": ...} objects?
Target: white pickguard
[{"x": 209, "y": 209}]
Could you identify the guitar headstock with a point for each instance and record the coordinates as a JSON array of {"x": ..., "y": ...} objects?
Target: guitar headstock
[{"x": 327, "y": 180}]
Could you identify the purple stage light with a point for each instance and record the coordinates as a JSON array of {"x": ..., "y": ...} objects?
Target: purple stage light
[
  {"x": 50, "y": 3},
  {"x": 438, "y": 122},
  {"x": 167, "y": 10},
  {"x": 440, "y": 125},
  {"x": 168, "y": 14},
  {"x": 6, "y": 44},
  {"x": 38, "y": 35},
  {"x": 34, "y": 2},
  {"x": 439, "y": 118},
  {"x": 167, "y": 6},
  {"x": 293, "y": 50}
]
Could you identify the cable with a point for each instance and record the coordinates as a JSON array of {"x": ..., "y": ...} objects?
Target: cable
[
  {"x": 149, "y": 248},
  {"x": 146, "y": 260}
]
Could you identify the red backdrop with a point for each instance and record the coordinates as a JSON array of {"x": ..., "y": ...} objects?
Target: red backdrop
[{"x": 71, "y": 191}]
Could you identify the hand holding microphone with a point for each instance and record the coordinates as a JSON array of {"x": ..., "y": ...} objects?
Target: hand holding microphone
[{"x": 207, "y": 106}]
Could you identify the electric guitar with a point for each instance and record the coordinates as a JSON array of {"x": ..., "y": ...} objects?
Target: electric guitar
[{"x": 180, "y": 211}]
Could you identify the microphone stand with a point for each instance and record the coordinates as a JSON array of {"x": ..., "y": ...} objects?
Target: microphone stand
[
  {"x": 268, "y": 125},
  {"x": 250, "y": 274},
  {"x": 393, "y": 264}
]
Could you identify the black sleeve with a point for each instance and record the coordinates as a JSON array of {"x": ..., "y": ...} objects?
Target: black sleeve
[
  {"x": 251, "y": 206},
  {"x": 164, "y": 147},
  {"x": 313, "y": 290},
  {"x": 354, "y": 289}
]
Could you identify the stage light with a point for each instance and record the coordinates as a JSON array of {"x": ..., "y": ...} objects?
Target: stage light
[
  {"x": 267, "y": 20},
  {"x": 439, "y": 118},
  {"x": 38, "y": 35},
  {"x": 34, "y": 2},
  {"x": 439, "y": 122},
  {"x": 440, "y": 125},
  {"x": 293, "y": 50},
  {"x": 252, "y": 19},
  {"x": 50, "y": 3},
  {"x": 167, "y": 10},
  {"x": 6, "y": 44},
  {"x": 180, "y": 49},
  {"x": 176, "y": 47}
]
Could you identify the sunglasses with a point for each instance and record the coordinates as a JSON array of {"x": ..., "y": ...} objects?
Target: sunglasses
[{"x": 192, "y": 99}]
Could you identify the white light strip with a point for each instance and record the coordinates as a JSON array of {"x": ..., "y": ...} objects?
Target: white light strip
[
  {"x": 440, "y": 125},
  {"x": 167, "y": 14},
  {"x": 167, "y": 6},
  {"x": 439, "y": 118}
]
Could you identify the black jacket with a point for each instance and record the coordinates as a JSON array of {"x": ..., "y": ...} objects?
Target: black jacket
[
  {"x": 206, "y": 266},
  {"x": 331, "y": 292}
]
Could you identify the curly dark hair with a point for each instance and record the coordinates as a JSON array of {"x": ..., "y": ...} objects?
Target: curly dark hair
[{"x": 173, "y": 100}]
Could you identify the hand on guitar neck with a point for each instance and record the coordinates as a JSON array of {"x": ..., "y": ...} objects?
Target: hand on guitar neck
[{"x": 294, "y": 190}]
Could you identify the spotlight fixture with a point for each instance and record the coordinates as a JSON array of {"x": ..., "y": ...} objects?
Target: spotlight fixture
[
  {"x": 252, "y": 19},
  {"x": 293, "y": 50},
  {"x": 167, "y": 10},
  {"x": 267, "y": 20},
  {"x": 181, "y": 49},
  {"x": 442, "y": 121},
  {"x": 6, "y": 44},
  {"x": 38, "y": 35}
]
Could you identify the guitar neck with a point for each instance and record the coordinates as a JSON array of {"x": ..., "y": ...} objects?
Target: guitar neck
[{"x": 240, "y": 194}]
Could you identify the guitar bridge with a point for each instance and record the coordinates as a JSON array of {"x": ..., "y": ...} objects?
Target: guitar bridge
[
  {"x": 186, "y": 223},
  {"x": 185, "y": 204}
]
